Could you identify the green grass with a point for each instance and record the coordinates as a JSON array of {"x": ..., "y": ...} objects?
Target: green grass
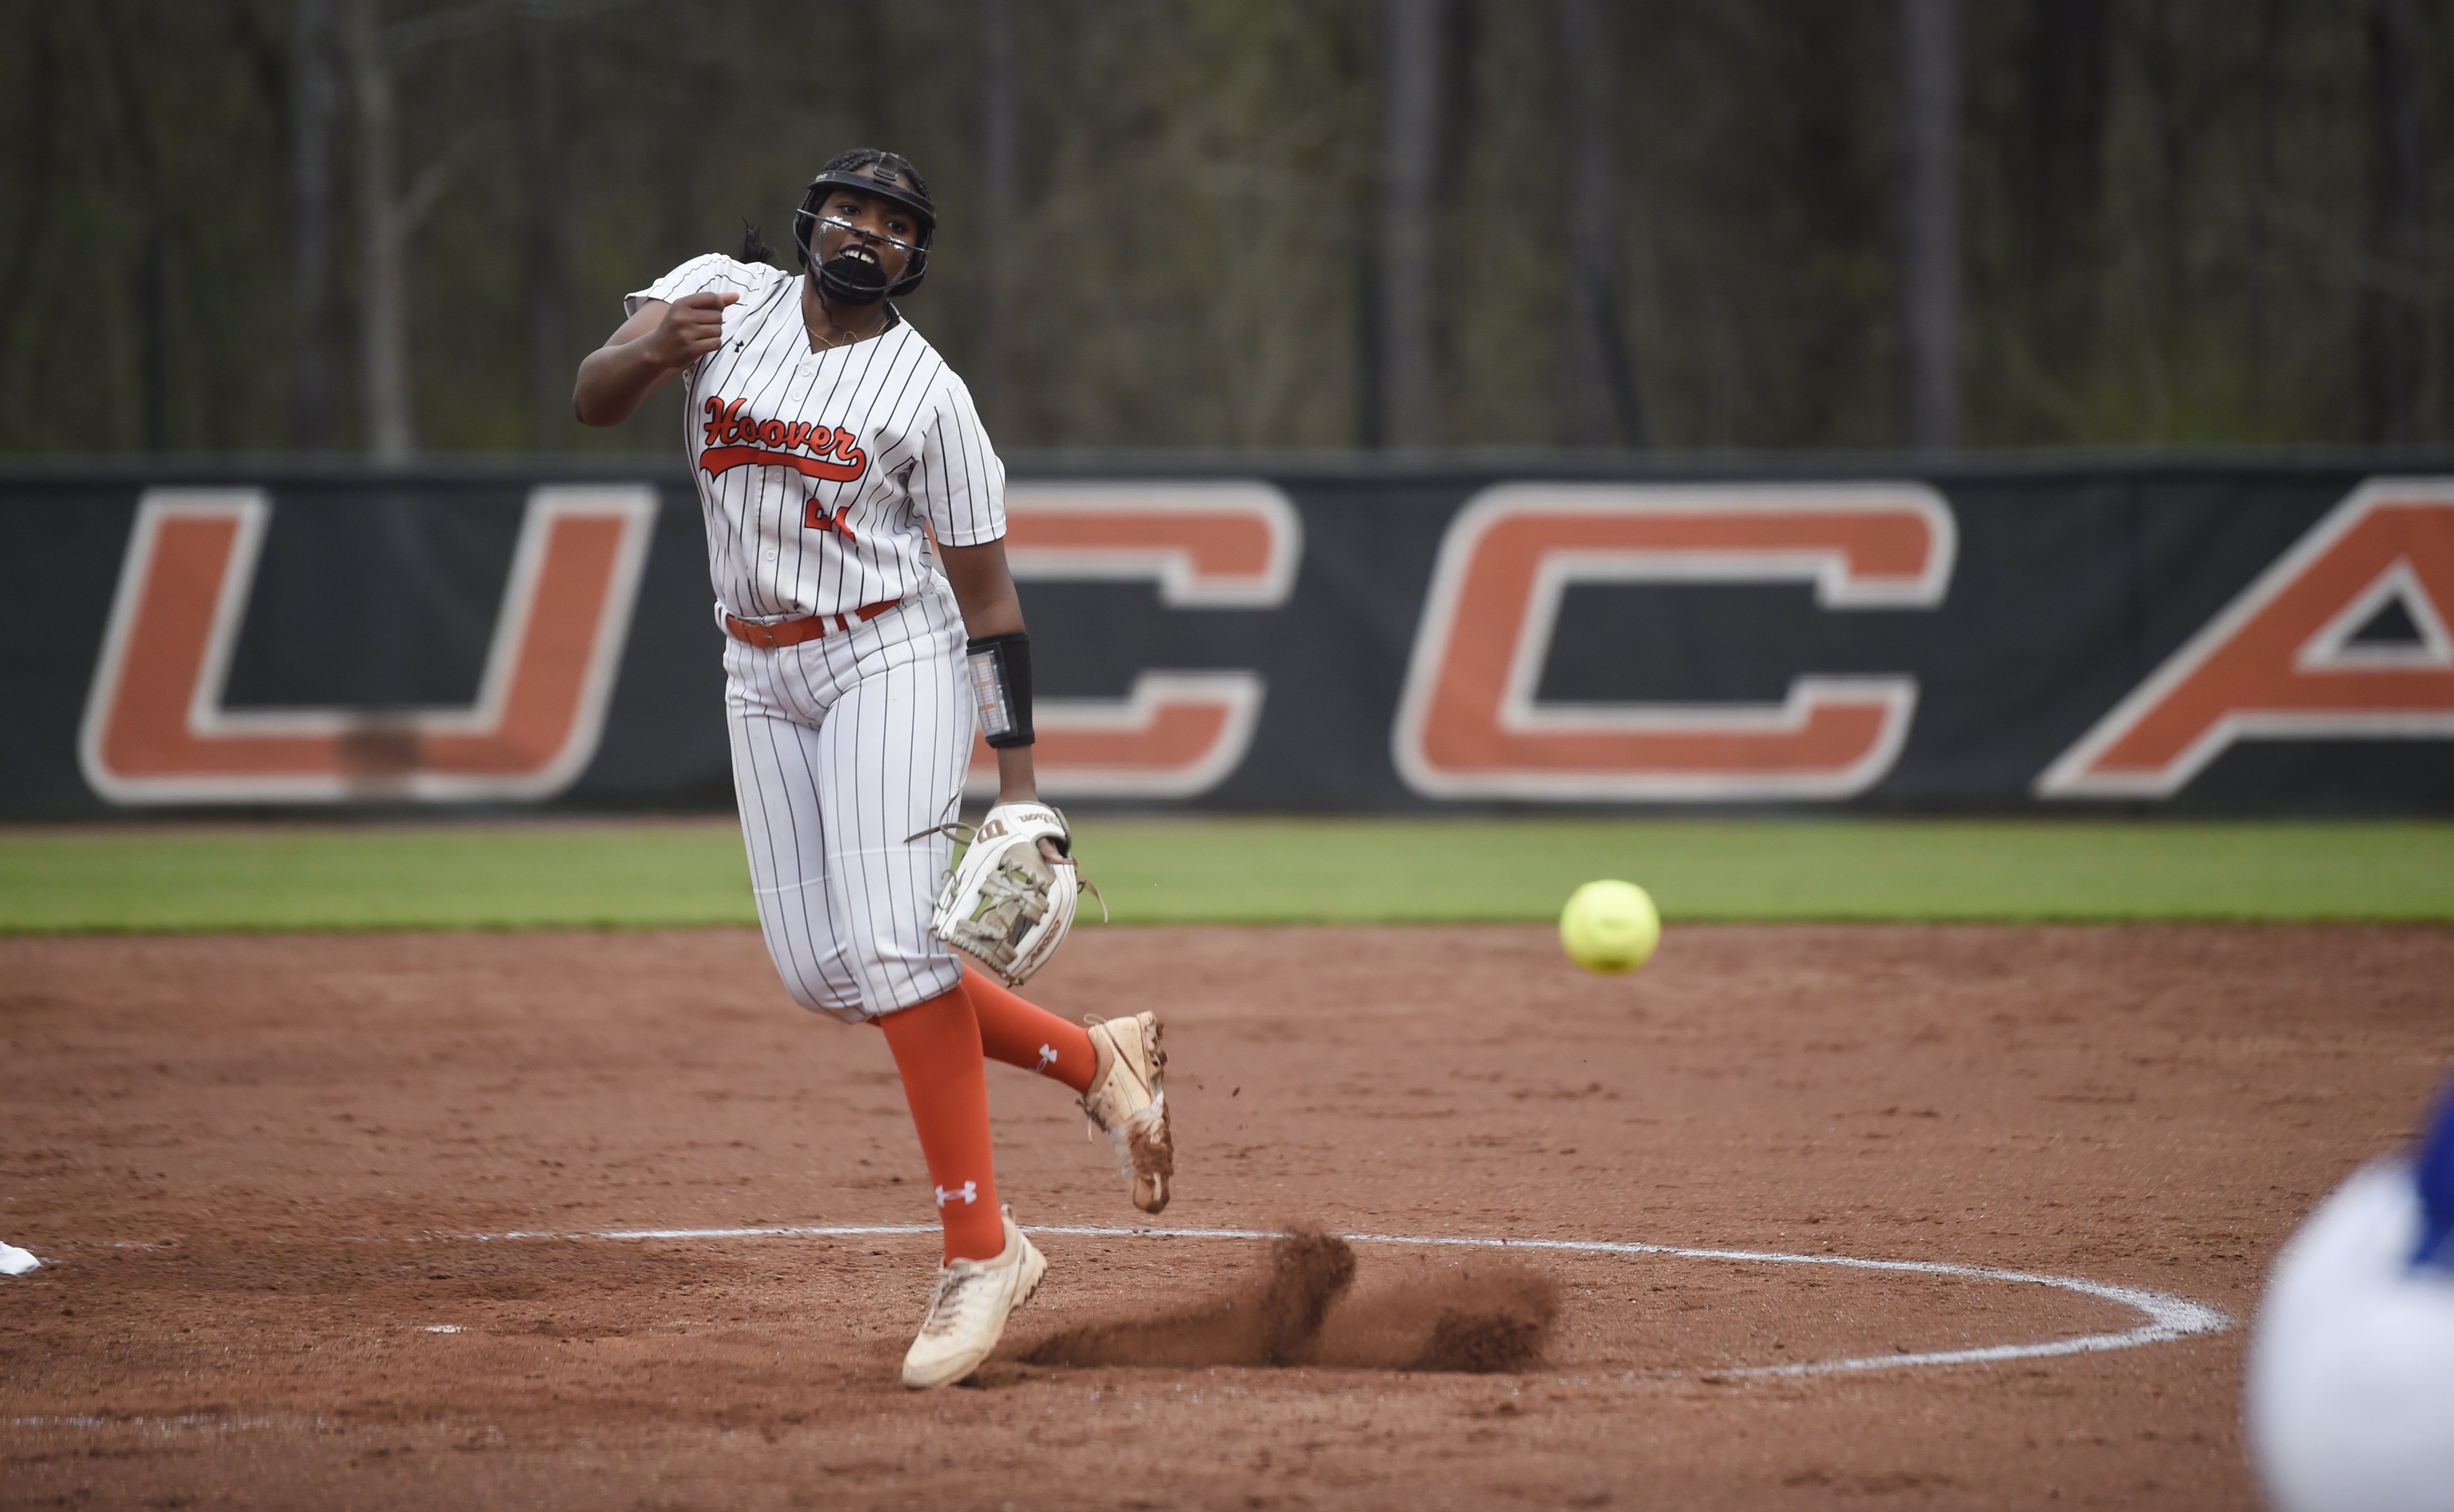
[
  {"x": 281, "y": 877},
  {"x": 1187, "y": 871},
  {"x": 1736, "y": 870}
]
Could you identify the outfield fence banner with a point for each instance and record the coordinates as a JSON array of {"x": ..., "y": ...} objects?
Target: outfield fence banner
[{"x": 2056, "y": 636}]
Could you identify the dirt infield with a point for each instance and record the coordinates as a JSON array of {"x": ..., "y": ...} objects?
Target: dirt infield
[{"x": 259, "y": 1172}]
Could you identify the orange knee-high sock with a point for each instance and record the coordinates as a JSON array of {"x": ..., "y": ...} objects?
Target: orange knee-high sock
[
  {"x": 1021, "y": 1035},
  {"x": 937, "y": 1047}
]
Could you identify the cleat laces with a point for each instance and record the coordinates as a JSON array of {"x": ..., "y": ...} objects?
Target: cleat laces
[{"x": 947, "y": 1303}]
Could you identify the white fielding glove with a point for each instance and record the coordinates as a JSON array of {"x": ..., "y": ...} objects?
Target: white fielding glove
[{"x": 1005, "y": 903}]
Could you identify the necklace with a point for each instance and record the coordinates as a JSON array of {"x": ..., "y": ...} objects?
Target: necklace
[{"x": 843, "y": 337}]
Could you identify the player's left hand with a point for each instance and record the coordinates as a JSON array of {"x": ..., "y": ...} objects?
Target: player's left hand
[{"x": 1011, "y": 898}]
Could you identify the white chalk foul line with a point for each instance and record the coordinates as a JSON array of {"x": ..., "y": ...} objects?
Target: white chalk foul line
[
  {"x": 182, "y": 1423},
  {"x": 2167, "y": 1316}
]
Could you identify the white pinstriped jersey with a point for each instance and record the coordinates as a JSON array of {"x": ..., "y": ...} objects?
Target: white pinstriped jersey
[{"x": 816, "y": 470}]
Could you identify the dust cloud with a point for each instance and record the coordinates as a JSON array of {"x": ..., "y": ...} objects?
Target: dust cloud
[{"x": 1304, "y": 1308}]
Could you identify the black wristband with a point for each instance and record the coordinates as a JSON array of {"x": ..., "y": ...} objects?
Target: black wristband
[{"x": 998, "y": 669}]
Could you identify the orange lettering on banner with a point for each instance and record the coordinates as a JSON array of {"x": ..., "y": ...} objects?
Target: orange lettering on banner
[
  {"x": 2281, "y": 662},
  {"x": 1226, "y": 545},
  {"x": 1216, "y": 549},
  {"x": 1469, "y": 724},
  {"x": 155, "y": 730},
  {"x": 1170, "y": 730}
]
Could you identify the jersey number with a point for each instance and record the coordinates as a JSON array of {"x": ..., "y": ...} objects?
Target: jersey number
[{"x": 815, "y": 516}]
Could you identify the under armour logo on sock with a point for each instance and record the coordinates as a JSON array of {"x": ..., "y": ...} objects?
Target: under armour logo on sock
[
  {"x": 1047, "y": 1059},
  {"x": 969, "y": 1192}
]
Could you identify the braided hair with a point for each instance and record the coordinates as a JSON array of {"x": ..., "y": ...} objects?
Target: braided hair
[
  {"x": 861, "y": 157},
  {"x": 753, "y": 247}
]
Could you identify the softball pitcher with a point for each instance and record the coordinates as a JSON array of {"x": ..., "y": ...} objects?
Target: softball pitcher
[{"x": 831, "y": 443}]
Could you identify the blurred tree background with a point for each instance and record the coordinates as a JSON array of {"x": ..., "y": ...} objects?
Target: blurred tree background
[{"x": 393, "y": 226}]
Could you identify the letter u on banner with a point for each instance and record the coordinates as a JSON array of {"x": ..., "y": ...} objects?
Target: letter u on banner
[
  {"x": 155, "y": 730},
  {"x": 1178, "y": 733},
  {"x": 1469, "y": 724}
]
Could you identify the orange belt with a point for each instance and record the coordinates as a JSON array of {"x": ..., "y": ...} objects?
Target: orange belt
[{"x": 792, "y": 631}]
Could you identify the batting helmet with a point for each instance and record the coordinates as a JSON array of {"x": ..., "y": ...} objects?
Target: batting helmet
[{"x": 880, "y": 175}]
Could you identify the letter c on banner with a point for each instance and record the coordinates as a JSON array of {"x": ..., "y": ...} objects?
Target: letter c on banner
[
  {"x": 155, "y": 730},
  {"x": 1224, "y": 545},
  {"x": 1469, "y": 725}
]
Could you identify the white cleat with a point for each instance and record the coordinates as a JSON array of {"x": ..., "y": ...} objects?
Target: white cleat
[
  {"x": 967, "y": 1312},
  {"x": 1127, "y": 1100}
]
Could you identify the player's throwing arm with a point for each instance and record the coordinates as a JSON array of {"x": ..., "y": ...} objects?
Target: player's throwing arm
[
  {"x": 652, "y": 346},
  {"x": 829, "y": 441}
]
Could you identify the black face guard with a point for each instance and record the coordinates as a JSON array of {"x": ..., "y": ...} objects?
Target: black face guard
[{"x": 852, "y": 280}]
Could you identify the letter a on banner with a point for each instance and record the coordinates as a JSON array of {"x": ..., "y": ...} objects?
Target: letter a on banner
[
  {"x": 155, "y": 730},
  {"x": 1469, "y": 725},
  {"x": 1175, "y": 735},
  {"x": 2286, "y": 661}
]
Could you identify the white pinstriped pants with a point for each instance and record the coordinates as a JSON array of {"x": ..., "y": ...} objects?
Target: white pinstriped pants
[{"x": 843, "y": 747}]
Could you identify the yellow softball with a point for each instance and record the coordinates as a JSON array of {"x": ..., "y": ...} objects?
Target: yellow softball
[{"x": 1610, "y": 927}]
